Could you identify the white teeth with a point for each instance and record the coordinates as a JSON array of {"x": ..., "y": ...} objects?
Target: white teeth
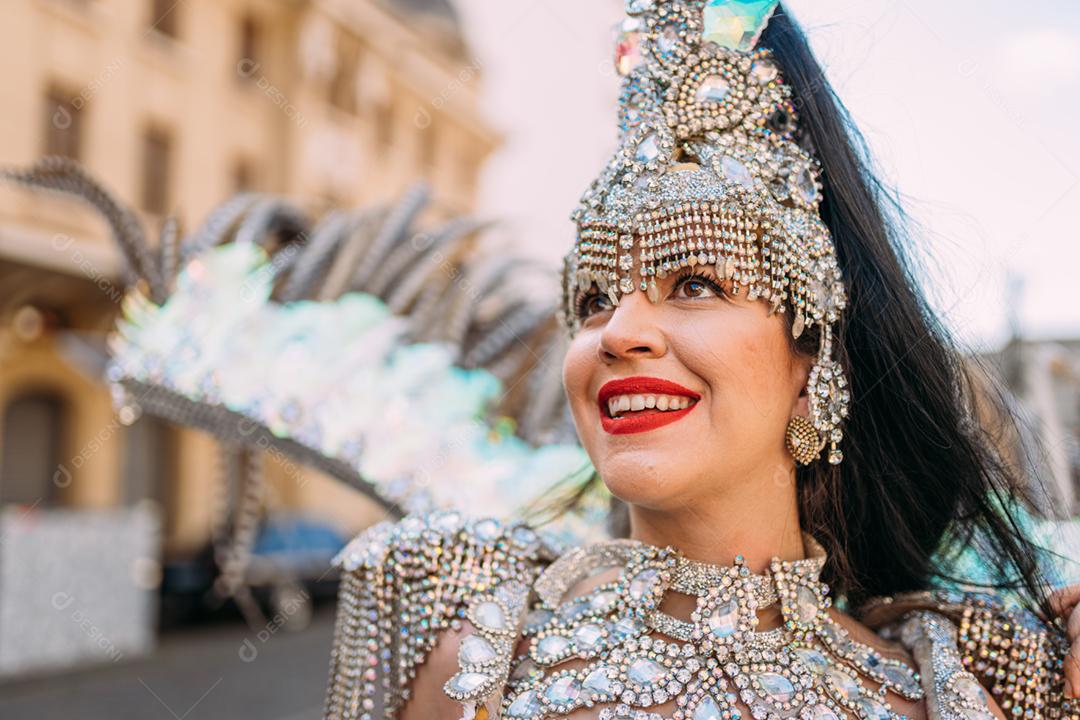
[{"x": 632, "y": 403}]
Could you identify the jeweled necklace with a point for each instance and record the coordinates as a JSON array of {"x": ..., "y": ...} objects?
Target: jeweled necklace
[{"x": 809, "y": 667}]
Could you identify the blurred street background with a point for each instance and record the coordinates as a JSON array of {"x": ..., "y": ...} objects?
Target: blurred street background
[{"x": 108, "y": 606}]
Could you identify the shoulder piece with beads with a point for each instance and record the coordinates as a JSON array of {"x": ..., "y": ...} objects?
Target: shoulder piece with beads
[
  {"x": 1016, "y": 655},
  {"x": 404, "y": 583}
]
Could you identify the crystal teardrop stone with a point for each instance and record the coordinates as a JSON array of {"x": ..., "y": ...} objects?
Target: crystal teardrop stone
[
  {"x": 490, "y": 615},
  {"x": 475, "y": 650}
]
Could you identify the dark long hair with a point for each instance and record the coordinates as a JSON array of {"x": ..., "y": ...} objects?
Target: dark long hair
[{"x": 919, "y": 469}]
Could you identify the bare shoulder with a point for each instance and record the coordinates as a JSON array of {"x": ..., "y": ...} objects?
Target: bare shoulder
[
  {"x": 428, "y": 700},
  {"x": 411, "y": 593}
]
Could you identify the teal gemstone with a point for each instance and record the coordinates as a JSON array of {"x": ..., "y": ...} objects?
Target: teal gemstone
[{"x": 735, "y": 24}]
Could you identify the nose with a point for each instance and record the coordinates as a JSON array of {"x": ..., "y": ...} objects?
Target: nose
[{"x": 632, "y": 331}]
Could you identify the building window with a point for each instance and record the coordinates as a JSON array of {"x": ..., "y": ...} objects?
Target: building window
[
  {"x": 149, "y": 460},
  {"x": 156, "y": 170},
  {"x": 249, "y": 43},
  {"x": 63, "y": 123},
  {"x": 163, "y": 16},
  {"x": 31, "y": 468}
]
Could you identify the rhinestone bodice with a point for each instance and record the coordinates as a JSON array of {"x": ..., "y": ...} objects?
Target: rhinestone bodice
[
  {"x": 614, "y": 648},
  {"x": 534, "y": 643}
]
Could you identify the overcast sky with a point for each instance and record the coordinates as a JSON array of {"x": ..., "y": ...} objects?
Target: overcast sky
[{"x": 972, "y": 110}]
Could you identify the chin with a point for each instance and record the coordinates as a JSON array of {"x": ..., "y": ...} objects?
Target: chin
[{"x": 643, "y": 478}]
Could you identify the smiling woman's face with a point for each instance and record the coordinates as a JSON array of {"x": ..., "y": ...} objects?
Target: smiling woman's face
[{"x": 734, "y": 363}]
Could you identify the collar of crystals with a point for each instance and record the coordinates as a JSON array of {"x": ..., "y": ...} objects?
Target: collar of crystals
[
  {"x": 808, "y": 668},
  {"x": 745, "y": 204}
]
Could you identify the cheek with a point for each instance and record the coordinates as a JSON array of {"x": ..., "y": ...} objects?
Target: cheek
[
  {"x": 579, "y": 364},
  {"x": 747, "y": 364}
]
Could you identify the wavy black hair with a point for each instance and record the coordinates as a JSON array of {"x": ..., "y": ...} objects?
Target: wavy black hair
[{"x": 923, "y": 469}]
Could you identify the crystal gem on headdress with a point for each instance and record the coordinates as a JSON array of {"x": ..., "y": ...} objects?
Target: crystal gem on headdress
[
  {"x": 628, "y": 48},
  {"x": 764, "y": 71},
  {"x": 737, "y": 172},
  {"x": 668, "y": 39},
  {"x": 804, "y": 181},
  {"x": 648, "y": 149},
  {"x": 735, "y": 24},
  {"x": 637, "y": 7},
  {"x": 714, "y": 89}
]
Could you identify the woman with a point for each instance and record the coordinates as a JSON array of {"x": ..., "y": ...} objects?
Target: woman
[{"x": 753, "y": 373}]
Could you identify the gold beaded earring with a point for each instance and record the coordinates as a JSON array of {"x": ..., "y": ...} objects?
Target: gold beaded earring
[{"x": 803, "y": 440}]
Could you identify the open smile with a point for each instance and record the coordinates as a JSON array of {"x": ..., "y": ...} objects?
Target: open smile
[{"x": 638, "y": 404}]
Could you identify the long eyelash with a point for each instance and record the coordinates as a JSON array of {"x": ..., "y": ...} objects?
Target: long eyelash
[
  {"x": 688, "y": 274},
  {"x": 579, "y": 304},
  {"x": 683, "y": 276}
]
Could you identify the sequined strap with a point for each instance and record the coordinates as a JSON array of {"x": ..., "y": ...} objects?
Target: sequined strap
[
  {"x": 1017, "y": 656},
  {"x": 952, "y": 693},
  {"x": 403, "y": 584}
]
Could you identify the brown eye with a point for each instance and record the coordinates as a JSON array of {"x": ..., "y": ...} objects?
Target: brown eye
[
  {"x": 592, "y": 302},
  {"x": 698, "y": 285}
]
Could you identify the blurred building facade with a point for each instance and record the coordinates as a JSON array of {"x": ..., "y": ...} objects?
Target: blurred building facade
[
  {"x": 1044, "y": 381},
  {"x": 175, "y": 106}
]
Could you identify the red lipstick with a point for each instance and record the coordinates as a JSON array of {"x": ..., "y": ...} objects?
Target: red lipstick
[{"x": 642, "y": 420}]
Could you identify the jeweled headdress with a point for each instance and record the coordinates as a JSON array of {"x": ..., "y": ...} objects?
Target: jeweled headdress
[{"x": 708, "y": 172}]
